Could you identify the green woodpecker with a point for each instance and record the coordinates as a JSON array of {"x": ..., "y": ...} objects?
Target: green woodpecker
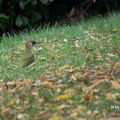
[{"x": 27, "y": 55}]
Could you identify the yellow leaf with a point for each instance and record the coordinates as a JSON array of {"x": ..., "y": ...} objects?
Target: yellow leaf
[
  {"x": 63, "y": 97},
  {"x": 49, "y": 84},
  {"x": 11, "y": 102},
  {"x": 80, "y": 108},
  {"x": 55, "y": 118},
  {"x": 66, "y": 95},
  {"x": 60, "y": 107},
  {"x": 70, "y": 91}
]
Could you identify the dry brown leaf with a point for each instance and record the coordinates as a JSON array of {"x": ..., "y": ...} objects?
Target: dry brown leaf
[
  {"x": 49, "y": 84},
  {"x": 117, "y": 65},
  {"x": 3, "y": 85},
  {"x": 98, "y": 57},
  {"x": 115, "y": 84},
  {"x": 43, "y": 76},
  {"x": 75, "y": 112},
  {"x": 1, "y": 97},
  {"x": 80, "y": 108},
  {"x": 112, "y": 96},
  {"x": 71, "y": 13},
  {"x": 26, "y": 82},
  {"x": 96, "y": 83},
  {"x": 88, "y": 96},
  {"x": 113, "y": 118},
  {"x": 99, "y": 75},
  {"x": 84, "y": 76}
]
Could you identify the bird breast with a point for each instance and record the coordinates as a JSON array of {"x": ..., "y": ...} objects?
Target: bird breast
[{"x": 27, "y": 59}]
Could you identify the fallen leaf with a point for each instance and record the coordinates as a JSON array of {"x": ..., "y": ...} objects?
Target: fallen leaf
[
  {"x": 112, "y": 96},
  {"x": 62, "y": 106},
  {"x": 12, "y": 102},
  {"x": 64, "y": 96},
  {"x": 88, "y": 96},
  {"x": 115, "y": 84},
  {"x": 49, "y": 84},
  {"x": 55, "y": 118},
  {"x": 70, "y": 91}
]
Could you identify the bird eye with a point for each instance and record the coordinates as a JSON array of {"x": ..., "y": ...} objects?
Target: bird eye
[{"x": 33, "y": 42}]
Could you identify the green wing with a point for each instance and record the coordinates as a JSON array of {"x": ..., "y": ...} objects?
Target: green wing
[{"x": 27, "y": 58}]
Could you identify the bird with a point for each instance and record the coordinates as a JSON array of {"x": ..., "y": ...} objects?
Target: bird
[{"x": 27, "y": 56}]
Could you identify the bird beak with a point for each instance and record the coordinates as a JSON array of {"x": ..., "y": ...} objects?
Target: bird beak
[
  {"x": 34, "y": 42},
  {"x": 37, "y": 42}
]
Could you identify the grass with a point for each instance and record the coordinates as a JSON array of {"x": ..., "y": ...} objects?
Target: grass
[
  {"x": 58, "y": 47},
  {"x": 76, "y": 73}
]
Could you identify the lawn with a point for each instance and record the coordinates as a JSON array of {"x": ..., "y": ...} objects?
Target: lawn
[{"x": 76, "y": 74}]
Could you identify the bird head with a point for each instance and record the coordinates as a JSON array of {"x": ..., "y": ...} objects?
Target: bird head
[{"x": 30, "y": 43}]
